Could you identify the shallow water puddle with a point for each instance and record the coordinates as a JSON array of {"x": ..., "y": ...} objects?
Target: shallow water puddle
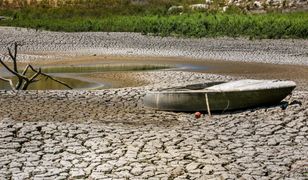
[
  {"x": 44, "y": 84},
  {"x": 79, "y": 76},
  {"x": 190, "y": 67},
  {"x": 103, "y": 68}
]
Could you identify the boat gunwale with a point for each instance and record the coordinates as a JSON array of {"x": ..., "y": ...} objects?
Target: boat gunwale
[{"x": 219, "y": 91}]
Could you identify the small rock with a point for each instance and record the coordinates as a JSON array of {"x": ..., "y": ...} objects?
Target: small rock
[
  {"x": 107, "y": 168},
  {"x": 177, "y": 171},
  {"x": 137, "y": 171},
  {"x": 192, "y": 166},
  {"x": 77, "y": 173}
]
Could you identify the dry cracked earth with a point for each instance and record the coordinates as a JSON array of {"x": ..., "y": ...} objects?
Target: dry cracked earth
[
  {"x": 110, "y": 135},
  {"x": 50, "y": 45}
]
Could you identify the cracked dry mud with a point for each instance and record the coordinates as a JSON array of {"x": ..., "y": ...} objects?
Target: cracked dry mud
[
  {"x": 50, "y": 45},
  {"x": 110, "y": 135}
]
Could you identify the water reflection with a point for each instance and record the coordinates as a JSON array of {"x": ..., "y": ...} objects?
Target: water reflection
[
  {"x": 103, "y": 68},
  {"x": 74, "y": 76},
  {"x": 48, "y": 84}
]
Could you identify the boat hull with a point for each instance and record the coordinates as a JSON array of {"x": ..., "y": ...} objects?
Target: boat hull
[{"x": 218, "y": 101}]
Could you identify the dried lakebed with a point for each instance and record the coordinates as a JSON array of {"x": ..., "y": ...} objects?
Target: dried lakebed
[{"x": 109, "y": 134}]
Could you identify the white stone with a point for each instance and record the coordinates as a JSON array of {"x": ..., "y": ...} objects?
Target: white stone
[
  {"x": 198, "y": 7},
  {"x": 257, "y": 5},
  {"x": 174, "y": 9}
]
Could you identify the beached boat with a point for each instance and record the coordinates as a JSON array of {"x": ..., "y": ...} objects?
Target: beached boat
[{"x": 220, "y": 96}]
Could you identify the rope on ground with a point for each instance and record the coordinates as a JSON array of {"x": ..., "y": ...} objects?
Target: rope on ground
[
  {"x": 208, "y": 105},
  {"x": 226, "y": 107},
  {"x": 228, "y": 104}
]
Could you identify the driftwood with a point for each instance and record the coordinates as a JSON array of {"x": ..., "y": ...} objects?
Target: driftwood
[{"x": 24, "y": 81}]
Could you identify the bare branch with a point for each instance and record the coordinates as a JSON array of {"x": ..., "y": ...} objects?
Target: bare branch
[
  {"x": 10, "y": 53},
  {"x": 31, "y": 80},
  {"x": 23, "y": 80},
  {"x": 15, "y": 53},
  {"x": 35, "y": 80},
  {"x": 25, "y": 70},
  {"x": 35, "y": 75},
  {"x": 12, "y": 71},
  {"x": 50, "y": 77},
  {"x": 13, "y": 57},
  {"x": 20, "y": 81},
  {"x": 9, "y": 81},
  {"x": 56, "y": 80}
]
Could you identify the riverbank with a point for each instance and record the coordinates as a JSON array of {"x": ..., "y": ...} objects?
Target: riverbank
[{"x": 51, "y": 45}]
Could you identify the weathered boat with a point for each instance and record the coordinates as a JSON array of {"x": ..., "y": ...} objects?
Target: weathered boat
[{"x": 220, "y": 96}]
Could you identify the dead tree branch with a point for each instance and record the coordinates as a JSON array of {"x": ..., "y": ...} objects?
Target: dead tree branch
[
  {"x": 49, "y": 77},
  {"x": 14, "y": 57},
  {"x": 24, "y": 81},
  {"x": 9, "y": 81}
]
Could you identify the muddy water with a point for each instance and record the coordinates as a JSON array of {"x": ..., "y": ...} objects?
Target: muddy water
[
  {"x": 110, "y": 64},
  {"x": 83, "y": 76},
  {"x": 297, "y": 73},
  {"x": 48, "y": 84}
]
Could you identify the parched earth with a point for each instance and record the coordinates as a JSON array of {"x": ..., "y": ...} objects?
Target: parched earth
[
  {"x": 109, "y": 134},
  {"x": 51, "y": 45}
]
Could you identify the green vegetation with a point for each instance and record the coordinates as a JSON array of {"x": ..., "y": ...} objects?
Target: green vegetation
[
  {"x": 97, "y": 7},
  {"x": 154, "y": 19}
]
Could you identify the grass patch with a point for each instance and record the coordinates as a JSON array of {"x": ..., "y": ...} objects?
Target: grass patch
[{"x": 208, "y": 24}]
